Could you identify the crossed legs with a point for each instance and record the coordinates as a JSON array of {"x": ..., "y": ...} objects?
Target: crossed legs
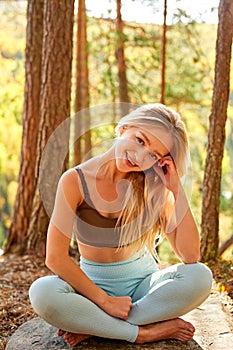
[{"x": 158, "y": 301}]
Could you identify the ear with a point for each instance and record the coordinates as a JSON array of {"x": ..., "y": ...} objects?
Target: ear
[{"x": 122, "y": 129}]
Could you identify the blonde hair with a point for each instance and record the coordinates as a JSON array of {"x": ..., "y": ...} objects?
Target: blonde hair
[{"x": 148, "y": 205}]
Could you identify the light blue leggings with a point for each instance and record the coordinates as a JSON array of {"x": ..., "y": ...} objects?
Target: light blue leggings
[{"x": 157, "y": 295}]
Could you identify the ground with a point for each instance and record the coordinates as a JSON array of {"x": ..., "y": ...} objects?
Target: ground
[{"x": 18, "y": 272}]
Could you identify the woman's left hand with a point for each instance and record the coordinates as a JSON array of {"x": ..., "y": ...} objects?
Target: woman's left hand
[{"x": 166, "y": 170}]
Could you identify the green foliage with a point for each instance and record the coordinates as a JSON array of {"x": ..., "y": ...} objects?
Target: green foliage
[
  {"x": 189, "y": 84},
  {"x": 12, "y": 42}
]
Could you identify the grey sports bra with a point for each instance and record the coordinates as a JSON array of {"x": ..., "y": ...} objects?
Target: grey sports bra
[{"x": 92, "y": 228}]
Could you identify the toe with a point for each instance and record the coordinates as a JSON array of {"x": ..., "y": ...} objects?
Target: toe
[{"x": 60, "y": 332}]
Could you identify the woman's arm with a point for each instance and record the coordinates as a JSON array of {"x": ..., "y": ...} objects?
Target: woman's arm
[
  {"x": 184, "y": 239},
  {"x": 57, "y": 250},
  {"x": 184, "y": 236}
]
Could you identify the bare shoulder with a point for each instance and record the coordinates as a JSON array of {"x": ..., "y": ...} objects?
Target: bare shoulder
[
  {"x": 70, "y": 186},
  {"x": 69, "y": 179}
]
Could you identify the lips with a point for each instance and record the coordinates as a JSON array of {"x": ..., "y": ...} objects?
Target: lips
[{"x": 130, "y": 162}]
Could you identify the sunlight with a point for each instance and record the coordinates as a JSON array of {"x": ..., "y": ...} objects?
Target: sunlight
[{"x": 198, "y": 10}]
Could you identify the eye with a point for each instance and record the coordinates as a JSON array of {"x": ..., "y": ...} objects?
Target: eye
[
  {"x": 139, "y": 140},
  {"x": 153, "y": 156}
]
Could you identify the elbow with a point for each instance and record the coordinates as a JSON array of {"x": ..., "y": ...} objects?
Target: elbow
[
  {"x": 48, "y": 262},
  {"x": 190, "y": 261},
  {"x": 191, "y": 258},
  {"x": 55, "y": 261},
  {"x": 51, "y": 262}
]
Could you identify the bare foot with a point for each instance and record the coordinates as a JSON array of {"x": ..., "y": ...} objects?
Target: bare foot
[
  {"x": 60, "y": 332},
  {"x": 171, "y": 329},
  {"x": 72, "y": 338}
]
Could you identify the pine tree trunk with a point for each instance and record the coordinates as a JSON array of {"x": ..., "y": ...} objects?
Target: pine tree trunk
[
  {"x": 216, "y": 139},
  {"x": 120, "y": 55},
  {"x": 82, "y": 120},
  {"x": 55, "y": 109},
  {"x": 31, "y": 117},
  {"x": 164, "y": 44},
  {"x": 78, "y": 97}
]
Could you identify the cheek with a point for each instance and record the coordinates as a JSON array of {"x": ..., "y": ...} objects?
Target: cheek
[
  {"x": 148, "y": 163},
  {"x": 124, "y": 145},
  {"x": 120, "y": 153},
  {"x": 119, "y": 147},
  {"x": 121, "y": 165}
]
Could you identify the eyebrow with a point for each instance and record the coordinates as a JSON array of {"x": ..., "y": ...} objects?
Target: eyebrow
[{"x": 149, "y": 143}]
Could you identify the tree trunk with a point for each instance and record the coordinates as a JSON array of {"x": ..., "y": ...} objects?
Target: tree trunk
[
  {"x": 120, "y": 55},
  {"x": 82, "y": 88},
  {"x": 216, "y": 138},
  {"x": 53, "y": 141},
  {"x": 31, "y": 117},
  {"x": 164, "y": 44},
  {"x": 85, "y": 81},
  {"x": 78, "y": 97}
]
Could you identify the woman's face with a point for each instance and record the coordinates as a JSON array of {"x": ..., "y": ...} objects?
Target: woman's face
[{"x": 138, "y": 149}]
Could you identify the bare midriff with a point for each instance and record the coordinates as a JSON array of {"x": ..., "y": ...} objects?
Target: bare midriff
[{"x": 105, "y": 255}]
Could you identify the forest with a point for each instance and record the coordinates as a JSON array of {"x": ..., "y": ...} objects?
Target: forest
[
  {"x": 173, "y": 63},
  {"x": 69, "y": 70}
]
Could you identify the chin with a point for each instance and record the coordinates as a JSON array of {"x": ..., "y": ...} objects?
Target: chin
[
  {"x": 123, "y": 169},
  {"x": 122, "y": 166}
]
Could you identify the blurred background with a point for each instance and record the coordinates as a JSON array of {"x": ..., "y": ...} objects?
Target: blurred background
[{"x": 169, "y": 50}]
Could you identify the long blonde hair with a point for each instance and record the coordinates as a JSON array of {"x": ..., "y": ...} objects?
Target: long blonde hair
[{"x": 148, "y": 205}]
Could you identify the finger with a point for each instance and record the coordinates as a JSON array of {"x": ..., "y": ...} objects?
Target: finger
[
  {"x": 168, "y": 161},
  {"x": 159, "y": 171},
  {"x": 165, "y": 161}
]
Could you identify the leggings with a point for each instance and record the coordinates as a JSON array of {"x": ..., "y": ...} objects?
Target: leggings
[{"x": 157, "y": 295}]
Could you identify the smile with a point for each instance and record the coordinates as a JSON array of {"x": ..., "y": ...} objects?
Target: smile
[{"x": 130, "y": 162}]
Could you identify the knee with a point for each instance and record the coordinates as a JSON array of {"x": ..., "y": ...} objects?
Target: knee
[
  {"x": 201, "y": 277},
  {"x": 41, "y": 294},
  {"x": 205, "y": 277}
]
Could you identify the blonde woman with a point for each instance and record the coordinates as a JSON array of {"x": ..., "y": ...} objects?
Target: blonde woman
[{"x": 120, "y": 202}]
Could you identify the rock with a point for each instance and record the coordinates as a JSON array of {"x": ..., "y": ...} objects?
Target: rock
[
  {"x": 39, "y": 335},
  {"x": 213, "y": 325},
  {"x": 213, "y": 331}
]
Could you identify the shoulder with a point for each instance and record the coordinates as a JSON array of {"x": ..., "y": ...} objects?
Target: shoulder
[
  {"x": 70, "y": 187},
  {"x": 69, "y": 179}
]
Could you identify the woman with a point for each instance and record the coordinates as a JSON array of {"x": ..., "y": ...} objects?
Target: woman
[{"x": 120, "y": 203}]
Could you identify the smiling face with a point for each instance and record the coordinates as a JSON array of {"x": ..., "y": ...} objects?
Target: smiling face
[{"x": 138, "y": 149}]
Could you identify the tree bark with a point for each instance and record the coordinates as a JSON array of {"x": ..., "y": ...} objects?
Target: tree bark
[
  {"x": 120, "y": 55},
  {"x": 216, "y": 137},
  {"x": 53, "y": 141},
  {"x": 82, "y": 87},
  {"x": 31, "y": 117},
  {"x": 164, "y": 44}
]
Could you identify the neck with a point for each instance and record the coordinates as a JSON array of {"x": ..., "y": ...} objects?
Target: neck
[{"x": 108, "y": 168}]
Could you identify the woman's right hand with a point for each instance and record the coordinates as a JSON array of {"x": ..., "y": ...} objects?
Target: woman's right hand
[{"x": 117, "y": 306}]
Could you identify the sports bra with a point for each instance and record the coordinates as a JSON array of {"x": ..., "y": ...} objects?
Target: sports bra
[{"x": 91, "y": 227}]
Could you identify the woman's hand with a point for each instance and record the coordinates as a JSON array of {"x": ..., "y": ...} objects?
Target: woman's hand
[
  {"x": 117, "y": 306},
  {"x": 166, "y": 170}
]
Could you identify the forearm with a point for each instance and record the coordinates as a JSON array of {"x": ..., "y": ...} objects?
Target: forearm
[
  {"x": 187, "y": 240},
  {"x": 69, "y": 271}
]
